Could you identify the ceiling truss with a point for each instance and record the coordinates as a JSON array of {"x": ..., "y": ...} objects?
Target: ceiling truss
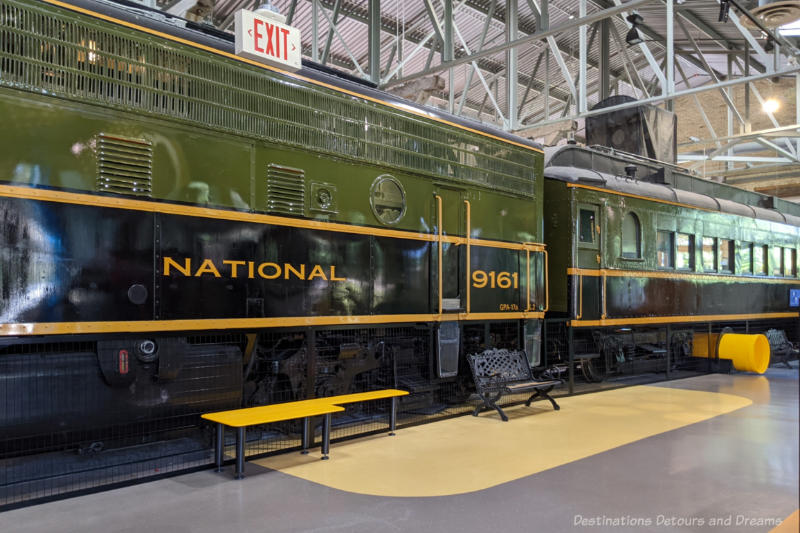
[{"x": 537, "y": 67}]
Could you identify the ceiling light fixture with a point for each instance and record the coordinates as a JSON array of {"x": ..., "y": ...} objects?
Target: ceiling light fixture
[
  {"x": 633, "y": 36},
  {"x": 771, "y": 105},
  {"x": 724, "y": 7}
]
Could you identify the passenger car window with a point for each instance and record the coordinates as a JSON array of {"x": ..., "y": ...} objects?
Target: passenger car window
[
  {"x": 776, "y": 261},
  {"x": 709, "y": 254},
  {"x": 760, "y": 260},
  {"x": 586, "y": 226},
  {"x": 725, "y": 255},
  {"x": 790, "y": 262},
  {"x": 746, "y": 257},
  {"x": 665, "y": 249},
  {"x": 684, "y": 258},
  {"x": 631, "y": 237}
]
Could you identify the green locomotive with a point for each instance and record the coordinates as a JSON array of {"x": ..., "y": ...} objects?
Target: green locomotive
[{"x": 185, "y": 230}]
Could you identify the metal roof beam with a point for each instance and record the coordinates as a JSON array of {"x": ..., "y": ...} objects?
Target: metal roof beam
[
  {"x": 650, "y": 32},
  {"x": 477, "y": 71},
  {"x": 481, "y": 42},
  {"x": 686, "y": 92},
  {"x": 626, "y": 59},
  {"x": 437, "y": 27},
  {"x": 784, "y": 131},
  {"x": 699, "y": 106},
  {"x": 725, "y": 96},
  {"x": 329, "y": 40},
  {"x": 643, "y": 48},
  {"x": 692, "y": 18},
  {"x": 352, "y": 11},
  {"x": 531, "y": 38},
  {"x": 685, "y": 158},
  {"x": 772, "y": 146}
]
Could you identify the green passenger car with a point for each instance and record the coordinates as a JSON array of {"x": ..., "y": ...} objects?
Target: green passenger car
[{"x": 649, "y": 252}]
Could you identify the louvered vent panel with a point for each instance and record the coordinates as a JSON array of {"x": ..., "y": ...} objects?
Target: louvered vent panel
[
  {"x": 124, "y": 166},
  {"x": 50, "y": 51},
  {"x": 286, "y": 190}
]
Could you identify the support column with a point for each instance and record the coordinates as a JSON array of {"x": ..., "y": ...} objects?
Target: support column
[
  {"x": 729, "y": 91},
  {"x": 393, "y": 417},
  {"x": 669, "y": 349},
  {"x": 582, "y": 58},
  {"x": 605, "y": 57},
  {"x": 306, "y": 435},
  {"x": 315, "y": 30},
  {"x": 512, "y": 74},
  {"x": 374, "y": 30},
  {"x": 748, "y": 125},
  {"x": 544, "y": 18},
  {"x": 571, "y": 358},
  {"x": 669, "y": 88},
  {"x": 546, "y": 83},
  {"x": 448, "y": 52}
]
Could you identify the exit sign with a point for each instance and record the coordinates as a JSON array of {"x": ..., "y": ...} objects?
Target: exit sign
[{"x": 267, "y": 41}]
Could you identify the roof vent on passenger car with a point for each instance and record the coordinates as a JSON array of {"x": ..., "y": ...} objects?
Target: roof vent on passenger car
[
  {"x": 286, "y": 190},
  {"x": 124, "y": 166}
]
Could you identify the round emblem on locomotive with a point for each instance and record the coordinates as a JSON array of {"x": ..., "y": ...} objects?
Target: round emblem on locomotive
[{"x": 388, "y": 199}]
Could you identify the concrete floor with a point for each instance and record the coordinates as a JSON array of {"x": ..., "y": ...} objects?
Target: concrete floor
[{"x": 741, "y": 466}]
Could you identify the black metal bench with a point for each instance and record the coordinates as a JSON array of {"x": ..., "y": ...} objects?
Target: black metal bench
[
  {"x": 781, "y": 349},
  {"x": 498, "y": 372}
]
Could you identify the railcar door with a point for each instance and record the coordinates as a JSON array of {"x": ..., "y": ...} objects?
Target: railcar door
[
  {"x": 587, "y": 232},
  {"x": 449, "y": 206},
  {"x": 586, "y": 290},
  {"x": 447, "y": 275}
]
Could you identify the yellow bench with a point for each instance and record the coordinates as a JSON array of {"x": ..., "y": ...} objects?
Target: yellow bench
[{"x": 305, "y": 409}]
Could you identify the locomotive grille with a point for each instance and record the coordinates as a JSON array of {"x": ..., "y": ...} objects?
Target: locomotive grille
[
  {"x": 286, "y": 190},
  {"x": 124, "y": 166},
  {"x": 51, "y": 51}
]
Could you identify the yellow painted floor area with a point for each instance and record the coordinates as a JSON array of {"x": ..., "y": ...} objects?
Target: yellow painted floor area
[
  {"x": 469, "y": 453},
  {"x": 790, "y": 525}
]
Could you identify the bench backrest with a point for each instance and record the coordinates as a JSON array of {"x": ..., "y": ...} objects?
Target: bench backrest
[
  {"x": 778, "y": 343},
  {"x": 496, "y": 367}
]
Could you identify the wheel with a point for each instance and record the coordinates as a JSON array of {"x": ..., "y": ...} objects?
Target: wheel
[{"x": 592, "y": 372}]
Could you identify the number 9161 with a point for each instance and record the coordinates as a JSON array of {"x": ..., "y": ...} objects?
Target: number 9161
[{"x": 494, "y": 280}]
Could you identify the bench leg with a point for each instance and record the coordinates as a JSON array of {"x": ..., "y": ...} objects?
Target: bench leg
[
  {"x": 533, "y": 397},
  {"x": 490, "y": 403},
  {"x": 544, "y": 394},
  {"x": 393, "y": 417},
  {"x": 240, "y": 435},
  {"x": 326, "y": 436},
  {"x": 497, "y": 407},
  {"x": 219, "y": 447},
  {"x": 306, "y": 433}
]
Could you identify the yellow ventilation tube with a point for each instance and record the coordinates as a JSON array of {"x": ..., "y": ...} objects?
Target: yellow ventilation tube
[{"x": 749, "y": 353}]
